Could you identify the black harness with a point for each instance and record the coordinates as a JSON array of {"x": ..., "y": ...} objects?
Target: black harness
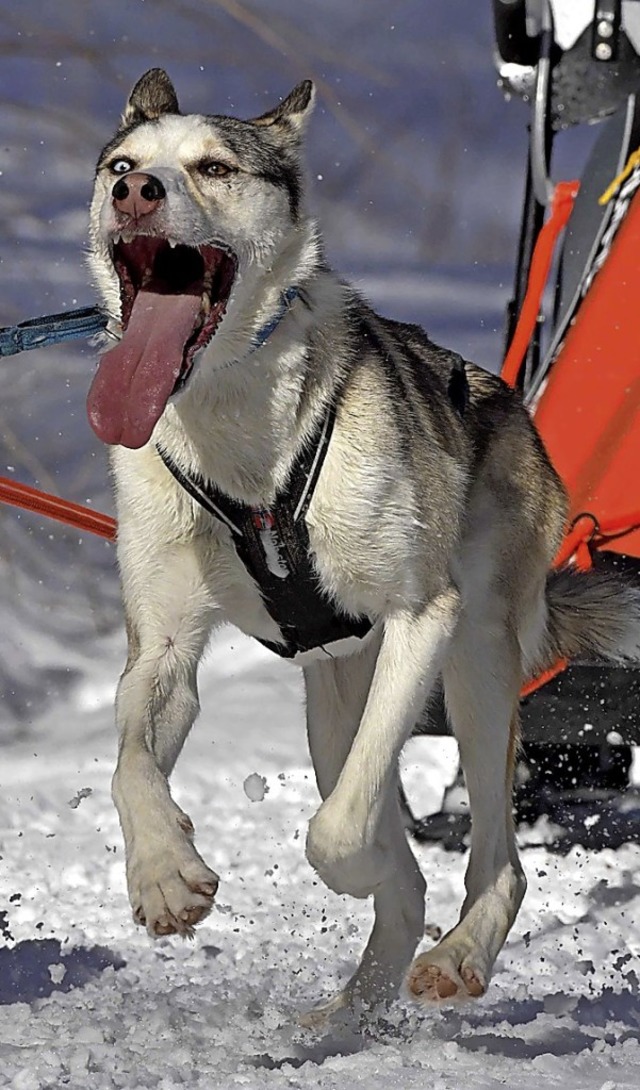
[{"x": 273, "y": 544}]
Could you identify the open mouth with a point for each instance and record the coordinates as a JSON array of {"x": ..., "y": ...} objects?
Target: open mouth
[
  {"x": 173, "y": 298},
  {"x": 150, "y": 264}
]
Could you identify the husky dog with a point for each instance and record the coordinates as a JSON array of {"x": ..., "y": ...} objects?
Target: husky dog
[{"x": 336, "y": 486}]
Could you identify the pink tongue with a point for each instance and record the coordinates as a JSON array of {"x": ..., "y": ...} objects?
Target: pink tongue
[{"x": 136, "y": 378}]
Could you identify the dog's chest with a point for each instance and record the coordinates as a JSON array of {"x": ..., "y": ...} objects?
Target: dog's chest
[{"x": 272, "y": 542}]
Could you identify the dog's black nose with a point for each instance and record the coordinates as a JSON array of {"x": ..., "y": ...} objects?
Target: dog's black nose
[{"x": 138, "y": 194}]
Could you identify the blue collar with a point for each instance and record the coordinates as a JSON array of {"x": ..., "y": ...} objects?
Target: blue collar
[
  {"x": 286, "y": 299},
  {"x": 72, "y": 325}
]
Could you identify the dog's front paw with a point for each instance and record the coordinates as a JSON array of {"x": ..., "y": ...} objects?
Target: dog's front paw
[{"x": 172, "y": 890}]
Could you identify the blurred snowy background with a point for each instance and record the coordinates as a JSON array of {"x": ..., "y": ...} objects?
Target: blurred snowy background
[{"x": 416, "y": 166}]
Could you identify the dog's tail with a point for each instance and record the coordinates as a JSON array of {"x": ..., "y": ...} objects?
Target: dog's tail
[{"x": 593, "y": 615}]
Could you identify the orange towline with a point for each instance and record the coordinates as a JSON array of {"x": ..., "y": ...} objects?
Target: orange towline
[{"x": 42, "y": 503}]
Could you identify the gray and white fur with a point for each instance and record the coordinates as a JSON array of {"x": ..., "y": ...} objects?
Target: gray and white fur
[{"x": 437, "y": 514}]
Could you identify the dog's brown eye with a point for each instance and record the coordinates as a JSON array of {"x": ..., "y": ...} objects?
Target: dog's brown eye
[
  {"x": 214, "y": 169},
  {"x": 121, "y": 166}
]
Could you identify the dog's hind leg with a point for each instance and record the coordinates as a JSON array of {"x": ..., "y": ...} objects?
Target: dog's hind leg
[
  {"x": 169, "y": 617},
  {"x": 398, "y": 927},
  {"x": 482, "y": 678}
]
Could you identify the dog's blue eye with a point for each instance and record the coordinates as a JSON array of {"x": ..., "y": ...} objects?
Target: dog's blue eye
[{"x": 120, "y": 166}]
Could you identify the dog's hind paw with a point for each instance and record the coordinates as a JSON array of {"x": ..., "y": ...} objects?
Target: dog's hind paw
[{"x": 171, "y": 899}]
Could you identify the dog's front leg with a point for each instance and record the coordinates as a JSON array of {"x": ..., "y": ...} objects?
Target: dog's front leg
[
  {"x": 169, "y": 617},
  {"x": 347, "y": 842},
  {"x": 337, "y": 691},
  {"x": 356, "y": 840}
]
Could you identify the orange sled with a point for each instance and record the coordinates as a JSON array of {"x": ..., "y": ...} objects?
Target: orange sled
[
  {"x": 584, "y": 390},
  {"x": 585, "y": 399}
]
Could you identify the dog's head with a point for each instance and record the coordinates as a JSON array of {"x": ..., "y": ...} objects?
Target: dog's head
[{"x": 185, "y": 210}]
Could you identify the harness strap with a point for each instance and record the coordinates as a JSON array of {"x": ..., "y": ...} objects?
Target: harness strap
[
  {"x": 273, "y": 544},
  {"x": 199, "y": 490}
]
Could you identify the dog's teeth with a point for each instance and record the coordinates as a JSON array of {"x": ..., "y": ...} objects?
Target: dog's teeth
[
  {"x": 205, "y": 304},
  {"x": 173, "y": 242}
]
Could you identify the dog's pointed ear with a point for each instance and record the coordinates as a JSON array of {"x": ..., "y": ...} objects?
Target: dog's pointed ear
[
  {"x": 152, "y": 96},
  {"x": 291, "y": 116}
]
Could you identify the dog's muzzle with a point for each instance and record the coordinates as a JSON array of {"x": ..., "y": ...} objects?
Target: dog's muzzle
[
  {"x": 173, "y": 297},
  {"x": 138, "y": 194}
]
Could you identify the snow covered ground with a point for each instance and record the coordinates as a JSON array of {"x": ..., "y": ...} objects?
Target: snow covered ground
[
  {"x": 89, "y": 1001},
  {"x": 86, "y": 999}
]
